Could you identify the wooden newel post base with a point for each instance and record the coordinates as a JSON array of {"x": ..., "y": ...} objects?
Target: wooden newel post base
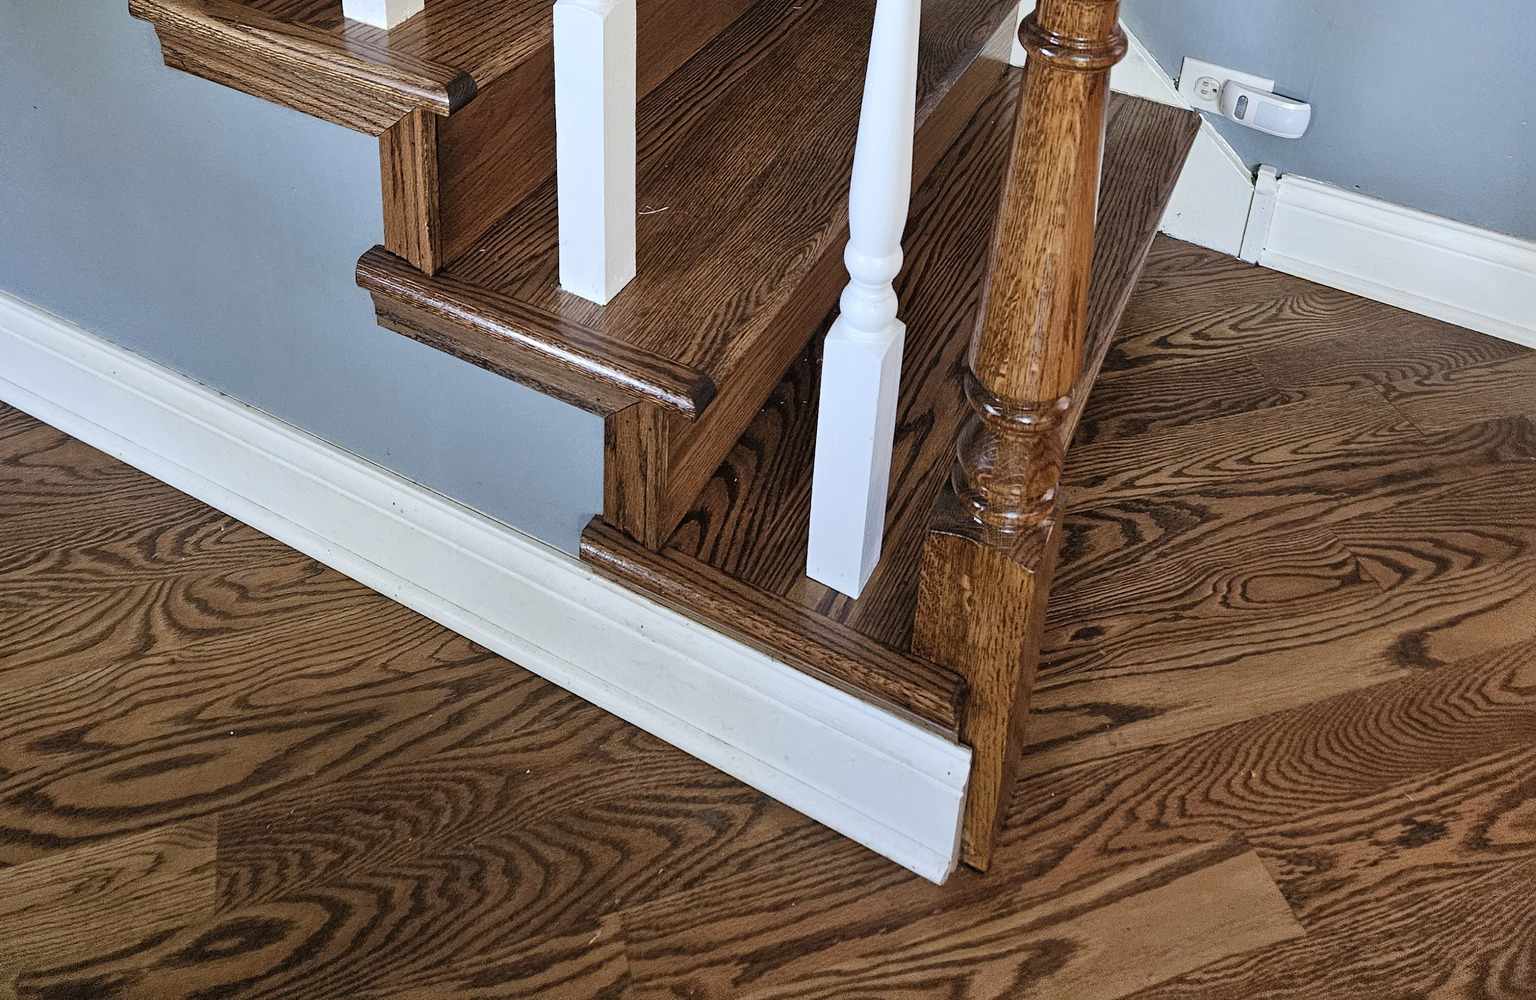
[
  {"x": 991, "y": 549},
  {"x": 980, "y": 609}
]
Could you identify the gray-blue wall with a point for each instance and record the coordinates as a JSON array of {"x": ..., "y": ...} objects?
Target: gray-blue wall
[
  {"x": 217, "y": 234},
  {"x": 1419, "y": 102}
]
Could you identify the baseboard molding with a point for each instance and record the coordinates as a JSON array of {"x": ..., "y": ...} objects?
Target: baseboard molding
[
  {"x": 1210, "y": 203},
  {"x": 1426, "y": 264},
  {"x": 881, "y": 780}
]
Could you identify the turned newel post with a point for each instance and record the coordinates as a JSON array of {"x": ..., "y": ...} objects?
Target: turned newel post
[{"x": 991, "y": 549}]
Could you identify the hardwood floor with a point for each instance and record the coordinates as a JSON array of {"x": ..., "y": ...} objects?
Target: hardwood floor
[{"x": 1284, "y": 744}]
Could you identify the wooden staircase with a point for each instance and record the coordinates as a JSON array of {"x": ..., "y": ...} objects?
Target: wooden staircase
[
  {"x": 706, "y": 368},
  {"x": 743, "y": 188}
]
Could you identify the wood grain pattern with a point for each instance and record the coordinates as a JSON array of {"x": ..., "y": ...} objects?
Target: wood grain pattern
[
  {"x": 392, "y": 811},
  {"x": 408, "y": 162},
  {"x": 1009, "y": 946},
  {"x": 57, "y": 910},
  {"x": 744, "y": 215},
  {"x": 1458, "y": 396},
  {"x": 908, "y": 685},
  {"x": 345, "y": 72}
]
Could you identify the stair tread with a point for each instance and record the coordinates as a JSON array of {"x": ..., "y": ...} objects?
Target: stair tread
[
  {"x": 751, "y": 522},
  {"x": 305, "y": 54},
  {"x": 744, "y": 162}
]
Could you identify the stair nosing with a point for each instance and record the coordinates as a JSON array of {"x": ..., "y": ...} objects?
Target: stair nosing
[{"x": 291, "y": 62}]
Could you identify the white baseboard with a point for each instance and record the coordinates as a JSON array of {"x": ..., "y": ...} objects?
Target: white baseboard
[
  {"x": 1426, "y": 264},
  {"x": 1210, "y": 203},
  {"x": 878, "y": 779}
]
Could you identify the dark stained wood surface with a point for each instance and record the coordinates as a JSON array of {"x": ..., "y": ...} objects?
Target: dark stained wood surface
[
  {"x": 847, "y": 659},
  {"x": 304, "y": 54},
  {"x": 1301, "y": 764},
  {"x": 752, "y": 519},
  {"x": 745, "y": 155},
  {"x": 743, "y": 192}
]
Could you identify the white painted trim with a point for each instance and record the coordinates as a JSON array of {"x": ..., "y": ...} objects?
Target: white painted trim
[
  {"x": 1211, "y": 200},
  {"x": 1261, "y": 214},
  {"x": 595, "y": 145},
  {"x": 861, "y": 364},
  {"x": 382, "y": 13},
  {"x": 1472, "y": 277},
  {"x": 879, "y": 779}
]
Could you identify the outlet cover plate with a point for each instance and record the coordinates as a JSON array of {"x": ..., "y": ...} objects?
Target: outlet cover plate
[{"x": 1196, "y": 69}]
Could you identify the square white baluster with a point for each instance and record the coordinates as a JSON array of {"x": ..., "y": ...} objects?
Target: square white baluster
[
  {"x": 595, "y": 145},
  {"x": 382, "y": 13}
]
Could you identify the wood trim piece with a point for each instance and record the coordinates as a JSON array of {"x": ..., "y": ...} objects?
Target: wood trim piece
[
  {"x": 868, "y": 773},
  {"x": 965, "y": 575},
  {"x": 496, "y": 332},
  {"x": 408, "y": 163},
  {"x": 300, "y": 66},
  {"x": 636, "y": 449},
  {"x": 900, "y": 683}
]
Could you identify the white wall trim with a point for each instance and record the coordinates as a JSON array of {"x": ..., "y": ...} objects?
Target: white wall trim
[
  {"x": 881, "y": 780},
  {"x": 1210, "y": 202},
  {"x": 1426, "y": 264}
]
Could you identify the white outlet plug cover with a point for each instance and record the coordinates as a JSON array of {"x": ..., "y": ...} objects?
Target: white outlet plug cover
[{"x": 1209, "y": 98}]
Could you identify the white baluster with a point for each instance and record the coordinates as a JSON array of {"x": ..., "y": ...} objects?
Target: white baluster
[
  {"x": 861, "y": 369},
  {"x": 595, "y": 144},
  {"x": 382, "y": 13}
]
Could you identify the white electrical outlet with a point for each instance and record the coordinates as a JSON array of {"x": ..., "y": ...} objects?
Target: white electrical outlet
[{"x": 1200, "y": 82}]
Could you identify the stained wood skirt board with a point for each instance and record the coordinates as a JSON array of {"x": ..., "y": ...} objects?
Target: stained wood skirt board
[
  {"x": 751, "y": 520},
  {"x": 745, "y": 155}
]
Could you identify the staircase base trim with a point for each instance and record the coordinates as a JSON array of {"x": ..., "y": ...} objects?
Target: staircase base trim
[
  {"x": 878, "y": 779},
  {"x": 1423, "y": 263}
]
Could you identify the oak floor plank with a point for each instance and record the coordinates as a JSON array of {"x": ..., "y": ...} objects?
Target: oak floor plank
[
  {"x": 584, "y": 964},
  {"x": 1070, "y": 825},
  {"x": 1463, "y": 822},
  {"x": 479, "y": 896},
  {"x": 1258, "y": 449},
  {"x": 1172, "y": 675},
  {"x": 1174, "y": 914},
  {"x": 1448, "y": 937},
  {"x": 1394, "y": 346},
  {"x": 1466, "y": 395},
  {"x": 58, "y": 910},
  {"x": 1135, "y": 401}
]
